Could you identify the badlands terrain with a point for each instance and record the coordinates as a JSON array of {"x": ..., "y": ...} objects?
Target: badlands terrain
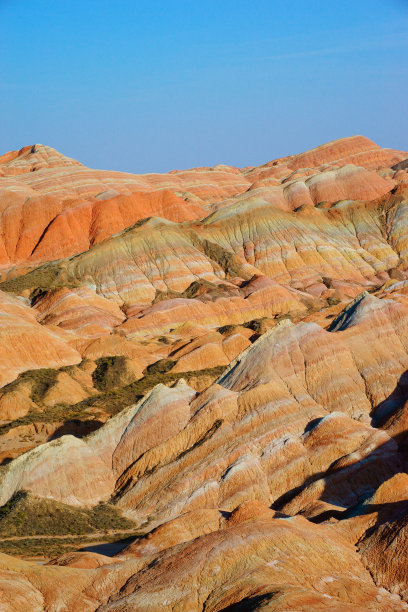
[{"x": 204, "y": 384}]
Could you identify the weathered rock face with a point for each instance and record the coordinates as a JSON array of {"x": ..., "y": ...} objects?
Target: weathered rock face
[
  {"x": 53, "y": 207},
  {"x": 288, "y": 426},
  {"x": 25, "y": 344},
  {"x": 278, "y": 479},
  {"x": 289, "y": 564},
  {"x": 257, "y": 563},
  {"x": 356, "y": 150}
]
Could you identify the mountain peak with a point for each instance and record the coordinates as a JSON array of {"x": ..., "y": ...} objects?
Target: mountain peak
[{"x": 32, "y": 158}]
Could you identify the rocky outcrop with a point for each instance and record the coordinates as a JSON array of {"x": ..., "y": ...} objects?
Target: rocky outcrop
[
  {"x": 295, "y": 406},
  {"x": 25, "y": 344},
  {"x": 258, "y": 563},
  {"x": 54, "y": 207},
  {"x": 276, "y": 480}
]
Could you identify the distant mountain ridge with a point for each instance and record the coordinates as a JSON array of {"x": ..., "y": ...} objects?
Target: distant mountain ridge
[{"x": 54, "y": 207}]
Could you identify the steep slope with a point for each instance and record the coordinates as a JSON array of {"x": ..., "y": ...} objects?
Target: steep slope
[
  {"x": 166, "y": 292},
  {"x": 288, "y": 424},
  {"x": 54, "y": 207},
  {"x": 298, "y": 402},
  {"x": 25, "y": 344},
  {"x": 217, "y": 357}
]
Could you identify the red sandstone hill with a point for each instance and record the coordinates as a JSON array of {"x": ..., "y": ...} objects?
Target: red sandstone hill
[
  {"x": 53, "y": 206},
  {"x": 215, "y": 360}
]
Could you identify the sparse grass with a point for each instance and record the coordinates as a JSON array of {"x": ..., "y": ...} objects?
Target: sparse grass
[
  {"x": 165, "y": 295},
  {"x": 61, "y": 413},
  {"x": 194, "y": 290},
  {"x": 229, "y": 262},
  {"x": 164, "y": 340},
  {"x": 45, "y": 527},
  {"x": 50, "y": 547},
  {"x": 41, "y": 380},
  {"x": 108, "y": 372},
  {"x": 42, "y": 547},
  {"x": 332, "y": 301},
  {"x": 112, "y": 399},
  {"x": 70, "y": 369},
  {"x": 27, "y": 515},
  {"x": 160, "y": 367},
  {"x": 282, "y": 316},
  {"x": 44, "y": 278},
  {"x": 225, "y": 329},
  {"x": 257, "y": 325},
  {"x": 198, "y": 287}
]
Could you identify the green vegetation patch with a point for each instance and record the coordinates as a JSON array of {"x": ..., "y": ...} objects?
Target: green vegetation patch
[
  {"x": 27, "y": 515},
  {"x": 40, "y": 380},
  {"x": 225, "y": 329},
  {"x": 160, "y": 367},
  {"x": 61, "y": 413},
  {"x": 41, "y": 279},
  {"x": 114, "y": 400},
  {"x": 108, "y": 372},
  {"x": 51, "y": 547}
]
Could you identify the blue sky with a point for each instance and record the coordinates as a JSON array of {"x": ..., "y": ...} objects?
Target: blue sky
[{"x": 156, "y": 85}]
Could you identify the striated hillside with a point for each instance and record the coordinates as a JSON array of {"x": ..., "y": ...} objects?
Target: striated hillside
[
  {"x": 211, "y": 363},
  {"x": 53, "y": 207}
]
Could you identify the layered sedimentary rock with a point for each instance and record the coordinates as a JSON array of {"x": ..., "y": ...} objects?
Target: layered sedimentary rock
[
  {"x": 276, "y": 410},
  {"x": 270, "y": 430},
  {"x": 261, "y": 564},
  {"x": 276, "y": 480},
  {"x": 53, "y": 207},
  {"x": 25, "y": 344}
]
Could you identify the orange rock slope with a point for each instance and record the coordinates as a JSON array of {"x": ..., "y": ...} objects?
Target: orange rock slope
[
  {"x": 53, "y": 207},
  {"x": 278, "y": 480}
]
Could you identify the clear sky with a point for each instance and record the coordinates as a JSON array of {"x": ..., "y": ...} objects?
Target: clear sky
[{"x": 153, "y": 85}]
